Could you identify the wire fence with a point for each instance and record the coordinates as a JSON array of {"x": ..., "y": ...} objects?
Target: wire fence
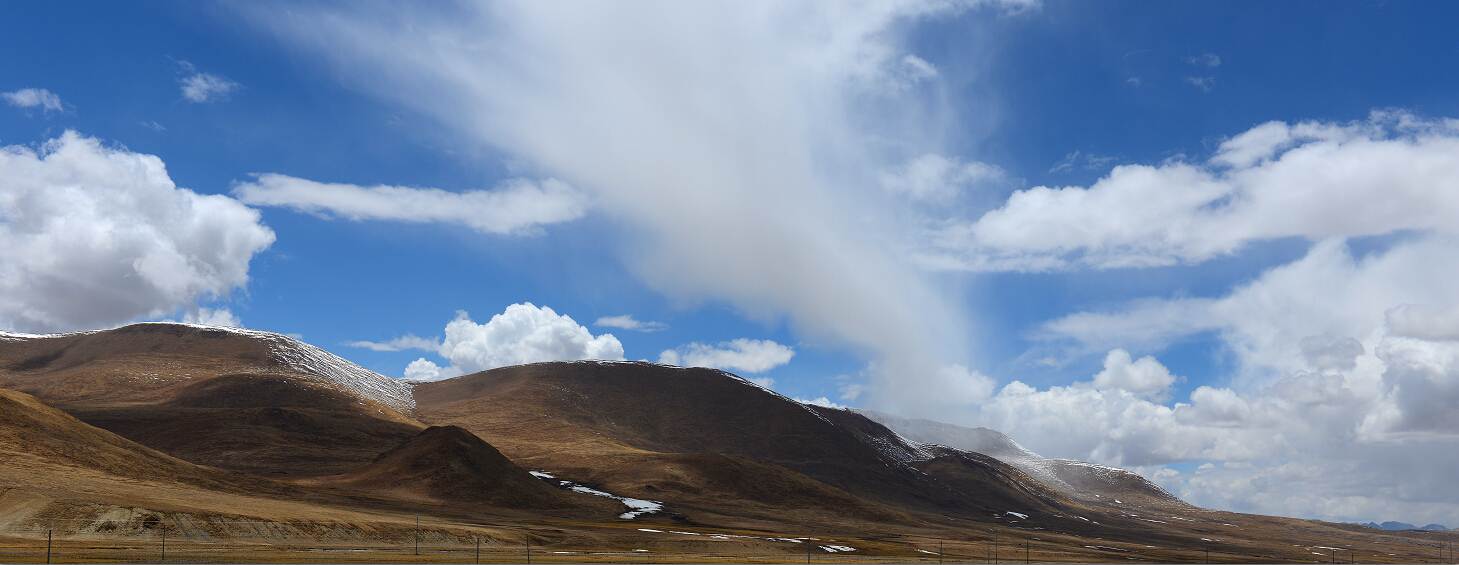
[{"x": 161, "y": 539}]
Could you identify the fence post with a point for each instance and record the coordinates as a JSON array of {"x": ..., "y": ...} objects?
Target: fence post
[{"x": 48, "y": 547}]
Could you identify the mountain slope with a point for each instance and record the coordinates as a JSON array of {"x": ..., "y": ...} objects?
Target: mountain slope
[
  {"x": 449, "y": 465},
  {"x": 31, "y": 430},
  {"x": 238, "y": 399},
  {"x": 623, "y": 424},
  {"x": 1085, "y": 481}
]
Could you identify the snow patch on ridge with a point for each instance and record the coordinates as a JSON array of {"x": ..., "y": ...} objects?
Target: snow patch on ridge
[{"x": 297, "y": 356}]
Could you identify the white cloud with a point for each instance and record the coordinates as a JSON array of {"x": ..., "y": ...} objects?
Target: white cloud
[
  {"x": 747, "y": 176},
  {"x": 516, "y": 206},
  {"x": 907, "y": 72},
  {"x": 1314, "y": 180},
  {"x": 33, "y": 98},
  {"x": 1145, "y": 376},
  {"x": 1424, "y": 322},
  {"x": 628, "y": 323},
  {"x": 1205, "y": 60},
  {"x": 424, "y": 370},
  {"x": 523, "y": 333},
  {"x": 206, "y": 87},
  {"x": 935, "y": 178},
  {"x": 1423, "y": 379},
  {"x": 1203, "y": 83},
  {"x": 748, "y": 355},
  {"x": 823, "y": 402},
  {"x": 212, "y": 317},
  {"x": 408, "y": 341},
  {"x": 95, "y": 237},
  {"x": 1340, "y": 403}
]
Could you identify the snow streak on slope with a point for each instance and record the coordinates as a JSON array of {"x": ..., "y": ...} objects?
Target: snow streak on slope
[
  {"x": 312, "y": 360},
  {"x": 637, "y": 507},
  {"x": 332, "y": 368}
]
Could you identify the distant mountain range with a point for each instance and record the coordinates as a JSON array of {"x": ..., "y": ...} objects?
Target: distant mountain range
[
  {"x": 155, "y": 422},
  {"x": 1402, "y": 526}
]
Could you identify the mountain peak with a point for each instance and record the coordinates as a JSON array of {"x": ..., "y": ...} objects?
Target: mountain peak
[{"x": 252, "y": 350}]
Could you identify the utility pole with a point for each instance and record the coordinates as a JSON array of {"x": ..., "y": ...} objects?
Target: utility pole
[
  {"x": 417, "y": 535},
  {"x": 995, "y": 546},
  {"x": 529, "y": 549},
  {"x": 48, "y": 547},
  {"x": 808, "y": 553},
  {"x": 939, "y": 552},
  {"x": 478, "y": 550}
]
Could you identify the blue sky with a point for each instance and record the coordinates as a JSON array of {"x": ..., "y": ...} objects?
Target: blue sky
[{"x": 1234, "y": 282}]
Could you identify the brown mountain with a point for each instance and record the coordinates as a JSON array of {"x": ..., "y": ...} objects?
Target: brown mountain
[
  {"x": 156, "y": 422},
  {"x": 639, "y": 428},
  {"x": 236, "y": 399},
  {"x": 449, "y": 465},
  {"x": 1087, "y": 482}
]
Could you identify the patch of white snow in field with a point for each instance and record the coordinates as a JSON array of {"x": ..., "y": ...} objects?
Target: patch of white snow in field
[
  {"x": 927, "y": 552},
  {"x": 637, "y": 507},
  {"x": 1021, "y": 516},
  {"x": 836, "y": 548}
]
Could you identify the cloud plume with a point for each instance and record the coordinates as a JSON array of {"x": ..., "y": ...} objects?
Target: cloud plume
[
  {"x": 739, "y": 169},
  {"x": 516, "y": 206}
]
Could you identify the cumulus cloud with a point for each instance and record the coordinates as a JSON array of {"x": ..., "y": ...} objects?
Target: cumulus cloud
[
  {"x": 823, "y": 402},
  {"x": 200, "y": 87},
  {"x": 746, "y": 175},
  {"x": 92, "y": 236},
  {"x": 1315, "y": 180},
  {"x": 628, "y": 323},
  {"x": 1424, "y": 322},
  {"x": 1423, "y": 378},
  {"x": 1145, "y": 376},
  {"x": 748, "y": 355},
  {"x": 1120, "y": 427},
  {"x": 424, "y": 370},
  {"x": 212, "y": 317},
  {"x": 515, "y": 206},
  {"x": 1323, "y": 352},
  {"x": 523, "y": 333},
  {"x": 34, "y": 98},
  {"x": 1339, "y": 362},
  {"x": 935, "y": 178}
]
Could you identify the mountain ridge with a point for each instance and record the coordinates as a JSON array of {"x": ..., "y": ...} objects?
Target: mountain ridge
[{"x": 279, "y": 437}]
